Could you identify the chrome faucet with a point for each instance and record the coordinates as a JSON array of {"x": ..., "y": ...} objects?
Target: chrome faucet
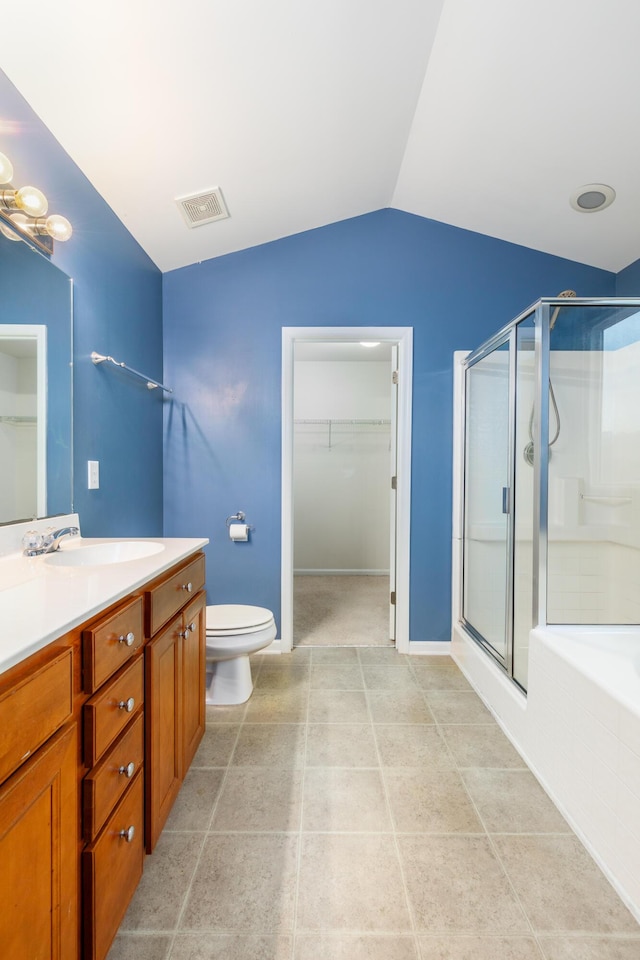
[{"x": 35, "y": 544}]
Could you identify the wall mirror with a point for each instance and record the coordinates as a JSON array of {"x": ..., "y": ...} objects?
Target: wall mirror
[{"x": 36, "y": 421}]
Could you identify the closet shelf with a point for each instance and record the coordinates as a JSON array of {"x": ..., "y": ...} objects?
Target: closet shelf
[
  {"x": 611, "y": 501},
  {"x": 328, "y": 423}
]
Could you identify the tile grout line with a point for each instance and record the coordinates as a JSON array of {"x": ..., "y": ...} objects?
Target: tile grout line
[
  {"x": 496, "y": 854},
  {"x": 296, "y": 896},
  {"x": 458, "y": 770},
  {"x": 537, "y": 936},
  {"x": 396, "y": 845},
  {"x": 175, "y": 932}
]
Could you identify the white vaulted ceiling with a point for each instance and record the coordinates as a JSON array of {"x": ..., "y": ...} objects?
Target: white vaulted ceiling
[{"x": 485, "y": 114}]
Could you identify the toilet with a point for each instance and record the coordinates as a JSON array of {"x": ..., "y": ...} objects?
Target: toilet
[{"x": 234, "y": 631}]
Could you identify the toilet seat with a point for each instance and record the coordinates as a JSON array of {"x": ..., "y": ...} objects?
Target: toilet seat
[{"x": 233, "y": 619}]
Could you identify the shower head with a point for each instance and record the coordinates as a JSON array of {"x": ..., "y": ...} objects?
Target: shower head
[{"x": 565, "y": 293}]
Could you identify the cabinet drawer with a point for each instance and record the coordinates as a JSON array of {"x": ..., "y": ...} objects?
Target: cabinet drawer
[
  {"x": 108, "y": 712},
  {"x": 108, "y": 644},
  {"x": 107, "y": 782},
  {"x": 111, "y": 870},
  {"x": 33, "y": 710},
  {"x": 166, "y": 598}
]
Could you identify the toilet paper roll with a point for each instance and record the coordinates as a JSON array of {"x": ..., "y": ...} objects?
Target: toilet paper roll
[{"x": 238, "y": 531}]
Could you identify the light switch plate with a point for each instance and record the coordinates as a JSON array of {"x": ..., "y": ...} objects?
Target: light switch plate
[{"x": 93, "y": 474}]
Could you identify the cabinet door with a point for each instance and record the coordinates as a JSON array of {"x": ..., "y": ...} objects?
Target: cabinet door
[
  {"x": 163, "y": 740},
  {"x": 192, "y": 707},
  {"x": 39, "y": 855}
]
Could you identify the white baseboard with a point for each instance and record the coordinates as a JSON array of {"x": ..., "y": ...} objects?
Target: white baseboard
[
  {"x": 419, "y": 648},
  {"x": 430, "y": 648},
  {"x": 303, "y": 572}
]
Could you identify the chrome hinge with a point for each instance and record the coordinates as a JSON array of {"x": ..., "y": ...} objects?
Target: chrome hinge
[
  {"x": 393, "y": 598},
  {"x": 394, "y": 483},
  {"x": 394, "y": 377}
]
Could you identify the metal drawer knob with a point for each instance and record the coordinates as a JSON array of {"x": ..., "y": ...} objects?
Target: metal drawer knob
[
  {"x": 128, "y": 834},
  {"x": 187, "y": 586},
  {"x": 127, "y": 705},
  {"x": 129, "y": 639},
  {"x": 129, "y": 770}
]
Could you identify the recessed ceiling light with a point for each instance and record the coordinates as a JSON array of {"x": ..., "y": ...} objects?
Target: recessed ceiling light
[
  {"x": 369, "y": 343},
  {"x": 592, "y": 197}
]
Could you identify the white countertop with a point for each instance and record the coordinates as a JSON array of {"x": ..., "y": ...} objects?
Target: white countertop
[{"x": 40, "y": 601}]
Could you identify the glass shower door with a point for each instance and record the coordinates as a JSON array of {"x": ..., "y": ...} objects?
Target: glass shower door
[{"x": 487, "y": 546}]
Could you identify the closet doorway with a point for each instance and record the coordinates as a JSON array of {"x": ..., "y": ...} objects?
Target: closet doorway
[{"x": 346, "y": 486}]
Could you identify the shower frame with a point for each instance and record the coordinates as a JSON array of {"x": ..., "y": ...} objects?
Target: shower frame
[{"x": 540, "y": 312}]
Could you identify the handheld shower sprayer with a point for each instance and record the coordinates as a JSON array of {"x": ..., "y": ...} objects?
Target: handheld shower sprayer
[
  {"x": 554, "y": 317},
  {"x": 528, "y": 452}
]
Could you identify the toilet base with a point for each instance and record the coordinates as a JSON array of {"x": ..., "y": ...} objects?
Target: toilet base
[{"x": 229, "y": 681}]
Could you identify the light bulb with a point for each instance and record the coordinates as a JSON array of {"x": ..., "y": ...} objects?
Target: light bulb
[
  {"x": 6, "y": 169},
  {"x": 58, "y": 227},
  {"x": 8, "y": 232},
  {"x": 21, "y": 221},
  {"x": 32, "y": 201},
  {"x": 369, "y": 343}
]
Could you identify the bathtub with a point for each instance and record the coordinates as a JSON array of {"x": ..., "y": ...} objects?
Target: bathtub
[
  {"x": 578, "y": 729},
  {"x": 608, "y": 656}
]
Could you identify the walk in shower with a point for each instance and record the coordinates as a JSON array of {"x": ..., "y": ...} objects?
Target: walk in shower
[{"x": 551, "y": 466}]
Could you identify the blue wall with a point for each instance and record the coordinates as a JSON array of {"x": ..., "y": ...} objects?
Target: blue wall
[
  {"x": 628, "y": 281},
  {"x": 222, "y": 338},
  {"x": 118, "y": 311}
]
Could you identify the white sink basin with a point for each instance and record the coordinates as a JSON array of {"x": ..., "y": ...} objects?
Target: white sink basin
[{"x": 93, "y": 555}]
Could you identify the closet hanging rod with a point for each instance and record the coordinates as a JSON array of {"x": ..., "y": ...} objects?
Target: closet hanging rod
[{"x": 150, "y": 382}]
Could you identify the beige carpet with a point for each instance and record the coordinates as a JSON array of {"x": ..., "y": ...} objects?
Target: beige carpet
[{"x": 341, "y": 611}]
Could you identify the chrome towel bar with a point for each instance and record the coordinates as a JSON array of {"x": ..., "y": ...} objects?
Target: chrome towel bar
[{"x": 150, "y": 382}]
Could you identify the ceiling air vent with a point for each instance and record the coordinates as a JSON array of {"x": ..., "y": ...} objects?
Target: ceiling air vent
[{"x": 203, "y": 207}]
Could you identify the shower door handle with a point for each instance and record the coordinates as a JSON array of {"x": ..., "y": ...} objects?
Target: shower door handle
[{"x": 506, "y": 499}]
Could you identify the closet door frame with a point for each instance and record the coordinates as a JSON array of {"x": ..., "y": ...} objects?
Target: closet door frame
[{"x": 403, "y": 338}]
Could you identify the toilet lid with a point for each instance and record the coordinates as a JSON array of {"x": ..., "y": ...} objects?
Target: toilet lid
[{"x": 236, "y": 617}]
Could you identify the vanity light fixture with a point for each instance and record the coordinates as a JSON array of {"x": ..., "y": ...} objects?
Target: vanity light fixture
[{"x": 23, "y": 212}]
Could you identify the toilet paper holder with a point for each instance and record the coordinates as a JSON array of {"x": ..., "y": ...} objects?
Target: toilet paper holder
[{"x": 238, "y": 518}]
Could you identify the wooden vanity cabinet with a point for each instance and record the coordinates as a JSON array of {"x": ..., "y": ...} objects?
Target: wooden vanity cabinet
[
  {"x": 39, "y": 854},
  {"x": 97, "y": 731},
  {"x": 112, "y": 867},
  {"x": 174, "y": 692},
  {"x": 193, "y": 709},
  {"x": 113, "y": 788},
  {"x": 39, "y": 839}
]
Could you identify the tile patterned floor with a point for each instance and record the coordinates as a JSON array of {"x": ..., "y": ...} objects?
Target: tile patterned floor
[{"x": 366, "y": 806}]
